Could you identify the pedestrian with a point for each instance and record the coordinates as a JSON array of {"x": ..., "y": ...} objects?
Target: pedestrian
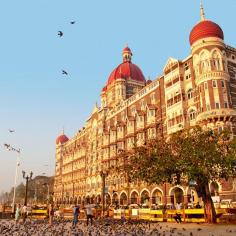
[
  {"x": 50, "y": 213},
  {"x": 17, "y": 213},
  {"x": 177, "y": 218},
  {"x": 178, "y": 206},
  {"x": 24, "y": 213},
  {"x": 198, "y": 206},
  {"x": 76, "y": 212},
  {"x": 89, "y": 212}
]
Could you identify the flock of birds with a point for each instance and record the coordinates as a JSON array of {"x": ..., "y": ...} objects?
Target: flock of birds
[
  {"x": 61, "y": 34},
  {"x": 101, "y": 227}
]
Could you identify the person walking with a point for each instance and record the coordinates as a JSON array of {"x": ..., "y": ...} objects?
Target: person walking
[
  {"x": 17, "y": 213},
  {"x": 24, "y": 213},
  {"x": 76, "y": 212},
  {"x": 177, "y": 218},
  {"x": 50, "y": 213},
  {"x": 89, "y": 212}
]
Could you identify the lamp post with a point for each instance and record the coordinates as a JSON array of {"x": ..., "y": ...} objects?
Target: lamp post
[
  {"x": 46, "y": 184},
  {"x": 27, "y": 178},
  {"x": 10, "y": 148},
  {"x": 103, "y": 176}
]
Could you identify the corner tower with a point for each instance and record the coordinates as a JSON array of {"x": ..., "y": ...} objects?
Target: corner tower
[{"x": 211, "y": 73}]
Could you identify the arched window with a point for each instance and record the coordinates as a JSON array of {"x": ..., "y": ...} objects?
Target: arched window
[
  {"x": 192, "y": 114},
  {"x": 216, "y": 60},
  {"x": 190, "y": 93}
]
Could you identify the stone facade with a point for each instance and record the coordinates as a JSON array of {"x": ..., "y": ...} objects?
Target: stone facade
[{"x": 201, "y": 89}]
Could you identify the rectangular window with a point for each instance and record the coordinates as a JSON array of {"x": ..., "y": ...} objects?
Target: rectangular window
[
  {"x": 222, "y": 83},
  {"x": 208, "y": 107},
  {"x": 226, "y": 104},
  {"x": 217, "y": 105},
  {"x": 186, "y": 66},
  {"x": 205, "y": 85},
  {"x": 213, "y": 83},
  {"x": 153, "y": 97}
]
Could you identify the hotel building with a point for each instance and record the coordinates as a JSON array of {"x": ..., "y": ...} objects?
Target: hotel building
[{"x": 198, "y": 90}]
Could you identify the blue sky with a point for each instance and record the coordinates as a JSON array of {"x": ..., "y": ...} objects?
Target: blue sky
[{"x": 37, "y": 101}]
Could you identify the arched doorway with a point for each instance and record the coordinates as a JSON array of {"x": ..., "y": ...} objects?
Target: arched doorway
[
  {"x": 177, "y": 195},
  {"x": 145, "y": 197},
  {"x": 75, "y": 200},
  {"x": 157, "y": 197},
  {"x": 192, "y": 196},
  {"x": 79, "y": 200},
  {"x": 115, "y": 199},
  {"x": 108, "y": 199},
  {"x": 83, "y": 200},
  {"x": 92, "y": 200},
  {"x": 123, "y": 199},
  {"x": 71, "y": 201},
  {"x": 134, "y": 198},
  {"x": 87, "y": 200}
]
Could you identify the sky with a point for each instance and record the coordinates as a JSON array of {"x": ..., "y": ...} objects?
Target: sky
[{"x": 37, "y": 101}]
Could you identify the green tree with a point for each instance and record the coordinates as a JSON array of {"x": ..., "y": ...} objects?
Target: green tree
[{"x": 202, "y": 156}]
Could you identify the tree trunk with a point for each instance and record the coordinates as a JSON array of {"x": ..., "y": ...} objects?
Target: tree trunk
[{"x": 209, "y": 206}]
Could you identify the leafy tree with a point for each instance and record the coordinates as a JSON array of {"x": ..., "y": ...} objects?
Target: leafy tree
[{"x": 195, "y": 154}]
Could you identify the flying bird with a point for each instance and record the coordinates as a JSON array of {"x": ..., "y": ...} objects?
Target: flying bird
[
  {"x": 11, "y": 130},
  {"x": 7, "y": 145},
  {"x": 72, "y": 22},
  {"x": 60, "y": 33},
  {"x": 64, "y": 72}
]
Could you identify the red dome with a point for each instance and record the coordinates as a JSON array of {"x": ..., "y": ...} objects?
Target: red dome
[
  {"x": 126, "y": 70},
  {"x": 61, "y": 139},
  {"x": 205, "y": 29}
]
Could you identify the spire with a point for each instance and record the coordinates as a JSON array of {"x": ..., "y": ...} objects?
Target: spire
[{"x": 202, "y": 13}]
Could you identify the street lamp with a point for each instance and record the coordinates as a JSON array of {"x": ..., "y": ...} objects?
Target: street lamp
[
  {"x": 103, "y": 176},
  {"x": 46, "y": 184},
  {"x": 10, "y": 148},
  {"x": 27, "y": 178}
]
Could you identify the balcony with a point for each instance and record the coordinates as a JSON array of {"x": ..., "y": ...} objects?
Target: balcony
[
  {"x": 216, "y": 113},
  {"x": 212, "y": 75}
]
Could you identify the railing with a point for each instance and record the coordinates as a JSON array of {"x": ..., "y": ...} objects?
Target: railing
[{"x": 187, "y": 215}]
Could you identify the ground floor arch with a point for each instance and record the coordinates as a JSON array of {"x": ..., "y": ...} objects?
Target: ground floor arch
[
  {"x": 192, "y": 196},
  {"x": 108, "y": 199},
  {"x": 145, "y": 197},
  {"x": 115, "y": 199},
  {"x": 177, "y": 195},
  {"x": 134, "y": 197},
  {"x": 79, "y": 200},
  {"x": 123, "y": 199},
  {"x": 157, "y": 196}
]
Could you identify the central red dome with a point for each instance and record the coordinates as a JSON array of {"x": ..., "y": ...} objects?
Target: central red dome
[
  {"x": 204, "y": 29},
  {"x": 126, "y": 70}
]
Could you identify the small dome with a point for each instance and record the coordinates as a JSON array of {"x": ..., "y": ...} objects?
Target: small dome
[
  {"x": 127, "y": 50},
  {"x": 149, "y": 81},
  {"x": 204, "y": 29},
  {"x": 61, "y": 139}
]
